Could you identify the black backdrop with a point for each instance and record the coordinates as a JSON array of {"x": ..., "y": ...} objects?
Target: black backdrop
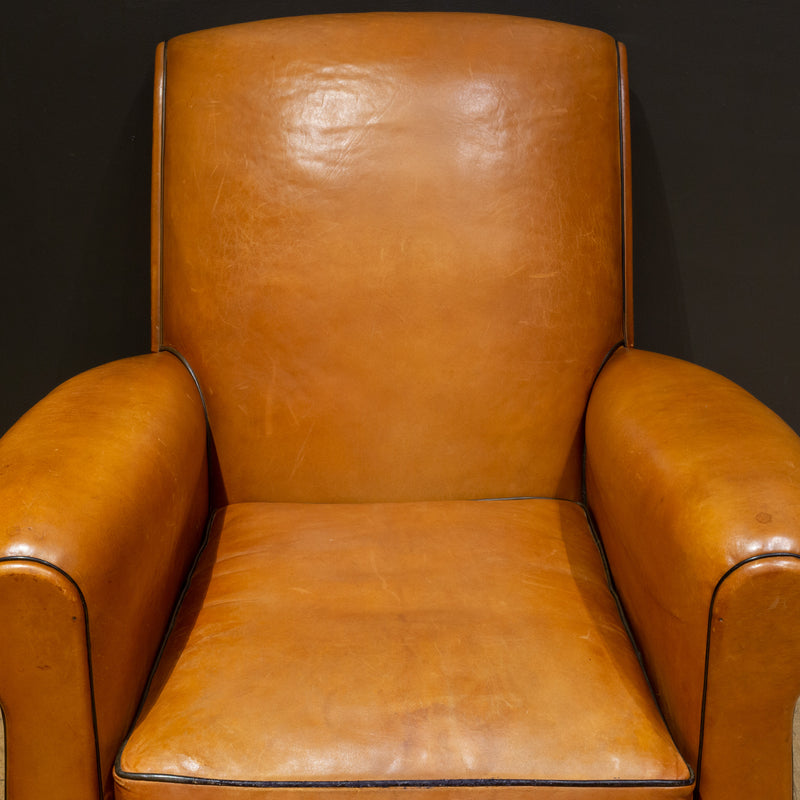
[{"x": 715, "y": 119}]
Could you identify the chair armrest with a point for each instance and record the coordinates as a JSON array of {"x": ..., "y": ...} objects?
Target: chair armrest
[
  {"x": 695, "y": 489},
  {"x": 103, "y": 499}
]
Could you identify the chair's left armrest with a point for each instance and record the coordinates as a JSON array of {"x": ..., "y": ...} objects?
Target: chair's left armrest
[
  {"x": 103, "y": 501},
  {"x": 695, "y": 488}
]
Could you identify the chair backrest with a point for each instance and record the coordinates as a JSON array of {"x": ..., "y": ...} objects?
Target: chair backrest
[{"x": 390, "y": 246}]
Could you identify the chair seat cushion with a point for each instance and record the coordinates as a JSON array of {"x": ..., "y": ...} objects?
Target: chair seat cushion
[{"x": 406, "y": 647}]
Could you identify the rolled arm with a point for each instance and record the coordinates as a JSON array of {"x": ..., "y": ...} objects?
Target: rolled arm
[
  {"x": 695, "y": 488},
  {"x": 103, "y": 499}
]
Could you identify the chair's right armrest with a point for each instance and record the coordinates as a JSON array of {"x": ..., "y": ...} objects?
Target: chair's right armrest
[
  {"x": 695, "y": 488},
  {"x": 103, "y": 501}
]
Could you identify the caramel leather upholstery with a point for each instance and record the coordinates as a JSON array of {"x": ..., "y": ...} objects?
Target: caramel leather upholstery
[
  {"x": 395, "y": 194},
  {"x": 391, "y": 263},
  {"x": 103, "y": 493},
  {"x": 400, "y": 669},
  {"x": 705, "y": 553}
]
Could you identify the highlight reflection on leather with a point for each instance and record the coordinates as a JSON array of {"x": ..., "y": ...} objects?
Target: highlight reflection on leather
[
  {"x": 103, "y": 492},
  {"x": 712, "y": 480},
  {"x": 426, "y": 207},
  {"x": 394, "y": 250},
  {"x": 412, "y": 641}
]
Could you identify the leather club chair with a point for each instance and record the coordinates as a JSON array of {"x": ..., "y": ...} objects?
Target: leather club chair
[{"x": 394, "y": 507}]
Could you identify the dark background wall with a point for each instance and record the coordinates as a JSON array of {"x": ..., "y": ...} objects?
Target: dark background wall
[{"x": 715, "y": 119}]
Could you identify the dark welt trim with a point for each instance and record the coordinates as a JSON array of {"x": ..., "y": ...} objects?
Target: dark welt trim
[
  {"x": 31, "y": 559},
  {"x": 402, "y": 784},
  {"x": 161, "y": 200},
  {"x": 624, "y": 260},
  {"x": 180, "y": 357},
  {"x": 5, "y": 753},
  {"x": 209, "y": 440},
  {"x": 524, "y": 497},
  {"x": 628, "y": 629},
  {"x": 622, "y": 177},
  {"x": 606, "y": 358},
  {"x": 613, "y": 588},
  {"x": 165, "y": 638},
  {"x": 708, "y": 642},
  {"x": 582, "y": 503},
  {"x": 411, "y": 784}
]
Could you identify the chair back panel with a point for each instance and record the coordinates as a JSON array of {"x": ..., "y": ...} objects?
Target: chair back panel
[{"x": 390, "y": 249}]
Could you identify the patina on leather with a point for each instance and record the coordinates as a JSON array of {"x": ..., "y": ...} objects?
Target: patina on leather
[
  {"x": 401, "y": 642},
  {"x": 103, "y": 496},
  {"x": 696, "y": 486},
  {"x": 392, "y": 251}
]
